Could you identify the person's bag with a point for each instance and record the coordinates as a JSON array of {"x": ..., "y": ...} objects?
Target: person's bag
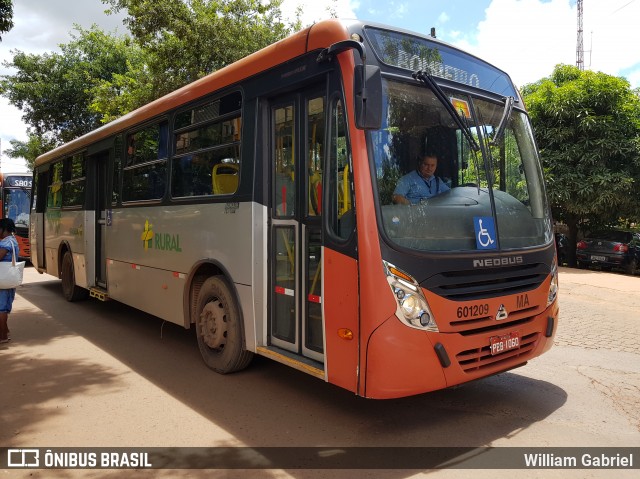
[{"x": 11, "y": 273}]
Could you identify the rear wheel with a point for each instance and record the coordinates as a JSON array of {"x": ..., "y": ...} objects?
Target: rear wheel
[
  {"x": 581, "y": 265},
  {"x": 631, "y": 267},
  {"x": 70, "y": 290},
  {"x": 219, "y": 328}
]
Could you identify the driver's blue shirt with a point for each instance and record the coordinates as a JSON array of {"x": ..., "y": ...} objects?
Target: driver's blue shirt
[{"x": 414, "y": 187}]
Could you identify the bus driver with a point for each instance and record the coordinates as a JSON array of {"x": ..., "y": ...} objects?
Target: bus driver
[{"x": 420, "y": 183}]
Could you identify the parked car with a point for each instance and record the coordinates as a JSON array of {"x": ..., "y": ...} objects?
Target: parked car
[
  {"x": 610, "y": 249},
  {"x": 562, "y": 247}
]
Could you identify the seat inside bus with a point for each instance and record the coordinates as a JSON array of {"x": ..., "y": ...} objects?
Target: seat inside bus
[{"x": 225, "y": 178}]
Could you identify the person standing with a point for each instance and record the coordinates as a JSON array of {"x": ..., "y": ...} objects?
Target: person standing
[{"x": 8, "y": 244}]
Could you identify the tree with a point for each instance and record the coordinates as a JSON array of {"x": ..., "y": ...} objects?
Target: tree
[
  {"x": 31, "y": 149},
  {"x": 184, "y": 41},
  {"x": 587, "y": 125},
  {"x": 124, "y": 92},
  {"x": 54, "y": 90},
  {"x": 6, "y": 16}
]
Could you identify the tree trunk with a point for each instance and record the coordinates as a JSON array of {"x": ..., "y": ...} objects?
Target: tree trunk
[{"x": 572, "y": 224}]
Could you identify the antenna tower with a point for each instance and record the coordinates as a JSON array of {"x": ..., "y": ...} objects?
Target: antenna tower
[{"x": 580, "y": 46}]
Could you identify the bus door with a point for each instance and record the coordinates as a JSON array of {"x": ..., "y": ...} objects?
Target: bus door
[
  {"x": 102, "y": 214},
  {"x": 36, "y": 235},
  {"x": 297, "y": 128}
]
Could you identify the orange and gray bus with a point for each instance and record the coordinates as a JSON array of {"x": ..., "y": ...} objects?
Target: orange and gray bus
[
  {"x": 15, "y": 190},
  {"x": 256, "y": 205}
]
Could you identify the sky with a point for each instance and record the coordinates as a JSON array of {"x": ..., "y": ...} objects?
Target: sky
[{"x": 525, "y": 38}]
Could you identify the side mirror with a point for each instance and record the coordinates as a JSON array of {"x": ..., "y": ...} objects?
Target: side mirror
[{"x": 368, "y": 97}]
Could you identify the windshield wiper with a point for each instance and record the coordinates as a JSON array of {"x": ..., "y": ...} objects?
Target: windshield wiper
[
  {"x": 428, "y": 80},
  {"x": 506, "y": 114}
]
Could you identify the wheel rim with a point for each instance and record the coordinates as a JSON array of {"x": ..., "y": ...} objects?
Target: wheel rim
[{"x": 213, "y": 324}]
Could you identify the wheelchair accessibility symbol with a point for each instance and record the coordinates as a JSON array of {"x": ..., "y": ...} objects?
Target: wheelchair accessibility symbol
[{"x": 485, "y": 232}]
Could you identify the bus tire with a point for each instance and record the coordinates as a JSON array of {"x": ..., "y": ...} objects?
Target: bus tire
[
  {"x": 70, "y": 290},
  {"x": 219, "y": 328}
]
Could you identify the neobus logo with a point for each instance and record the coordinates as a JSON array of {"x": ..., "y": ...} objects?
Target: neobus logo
[
  {"x": 491, "y": 262},
  {"x": 161, "y": 241}
]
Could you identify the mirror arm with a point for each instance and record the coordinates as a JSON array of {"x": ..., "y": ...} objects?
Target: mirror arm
[{"x": 328, "y": 53}]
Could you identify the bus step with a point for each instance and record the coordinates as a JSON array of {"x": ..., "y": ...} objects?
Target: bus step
[
  {"x": 298, "y": 362},
  {"x": 98, "y": 293}
]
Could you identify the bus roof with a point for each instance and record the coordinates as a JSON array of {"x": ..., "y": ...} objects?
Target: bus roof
[{"x": 319, "y": 35}]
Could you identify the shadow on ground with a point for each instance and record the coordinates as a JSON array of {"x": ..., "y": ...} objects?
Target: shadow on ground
[{"x": 267, "y": 404}]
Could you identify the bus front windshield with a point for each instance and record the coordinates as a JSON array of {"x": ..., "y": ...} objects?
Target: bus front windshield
[
  {"x": 483, "y": 183},
  {"x": 16, "y": 206}
]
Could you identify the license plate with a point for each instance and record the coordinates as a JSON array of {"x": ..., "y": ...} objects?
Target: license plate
[
  {"x": 598, "y": 258},
  {"x": 501, "y": 344}
]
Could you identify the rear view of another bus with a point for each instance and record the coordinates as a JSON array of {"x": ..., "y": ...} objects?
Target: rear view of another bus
[{"x": 16, "y": 199}]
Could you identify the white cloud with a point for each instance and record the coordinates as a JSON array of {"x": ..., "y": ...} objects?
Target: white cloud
[
  {"x": 40, "y": 26},
  {"x": 399, "y": 10},
  {"x": 11, "y": 126},
  {"x": 319, "y": 9},
  {"x": 611, "y": 33},
  {"x": 527, "y": 38},
  {"x": 443, "y": 17},
  {"x": 634, "y": 78}
]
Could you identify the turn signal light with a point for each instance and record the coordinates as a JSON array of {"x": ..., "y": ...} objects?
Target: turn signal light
[
  {"x": 345, "y": 333},
  {"x": 401, "y": 274}
]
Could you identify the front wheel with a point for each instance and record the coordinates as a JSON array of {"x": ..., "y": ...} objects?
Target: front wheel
[
  {"x": 219, "y": 328},
  {"x": 70, "y": 290}
]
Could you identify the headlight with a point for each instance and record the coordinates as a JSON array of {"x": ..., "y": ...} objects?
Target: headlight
[
  {"x": 413, "y": 309},
  {"x": 411, "y": 306},
  {"x": 553, "y": 287}
]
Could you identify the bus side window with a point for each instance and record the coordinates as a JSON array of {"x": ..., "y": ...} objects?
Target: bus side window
[
  {"x": 341, "y": 213},
  {"x": 144, "y": 175},
  {"x": 206, "y": 158},
  {"x": 74, "y": 173}
]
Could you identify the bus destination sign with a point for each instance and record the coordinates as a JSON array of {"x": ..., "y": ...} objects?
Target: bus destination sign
[
  {"x": 413, "y": 53},
  {"x": 18, "y": 182}
]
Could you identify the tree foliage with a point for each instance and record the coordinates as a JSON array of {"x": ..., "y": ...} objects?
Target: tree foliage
[
  {"x": 55, "y": 90},
  {"x": 184, "y": 41},
  {"x": 587, "y": 125},
  {"x": 6, "y": 16}
]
